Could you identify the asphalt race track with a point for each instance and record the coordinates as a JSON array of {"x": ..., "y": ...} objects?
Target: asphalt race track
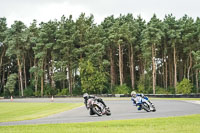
[{"x": 120, "y": 109}]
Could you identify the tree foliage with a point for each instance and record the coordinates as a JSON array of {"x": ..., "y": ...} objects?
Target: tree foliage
[
  {"x": 93, "y": 79},
  {"x": 184, "y": 87},
  {"x": 10, "y": 84},
  {"x": 69, "y": 56}
]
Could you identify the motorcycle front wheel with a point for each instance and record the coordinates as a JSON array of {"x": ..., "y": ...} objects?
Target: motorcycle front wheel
[
  {"x": 154, "y": 108},
  {"x": 108, "y": 112}
]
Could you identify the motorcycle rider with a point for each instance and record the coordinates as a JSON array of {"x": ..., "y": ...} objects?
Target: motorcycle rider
[
  {"x": 86, "y": 97},
  {"x": 136, "y": 97}
]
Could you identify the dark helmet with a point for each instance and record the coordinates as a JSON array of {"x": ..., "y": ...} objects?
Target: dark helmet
[{"x": 85, "y": 96}]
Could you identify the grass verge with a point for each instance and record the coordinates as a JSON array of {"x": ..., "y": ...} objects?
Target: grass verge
[
  {"x": 183, "y": 124},
  {"x": 129, "y": 98},
  {"x": 184, "y": 99},
  {"x": 27, "y": 111}
]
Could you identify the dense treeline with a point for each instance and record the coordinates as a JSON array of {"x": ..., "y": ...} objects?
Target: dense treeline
[{"x": 119, "y": 55}]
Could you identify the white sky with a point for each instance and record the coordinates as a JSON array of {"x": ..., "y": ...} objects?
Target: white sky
[{"x": 45, "y": 10}]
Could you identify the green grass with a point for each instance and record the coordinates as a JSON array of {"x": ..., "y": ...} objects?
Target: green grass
[
  {"x": 183, "y": 124},
  {"x": 184, "y": 99},
  {"x": 129, "y": 98},
  {"x": 27, "y": 111}
]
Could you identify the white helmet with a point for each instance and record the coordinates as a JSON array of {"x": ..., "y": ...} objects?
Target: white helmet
[
  {"x": 85, "y": 95},
  {"x": 133, "y": 94}
]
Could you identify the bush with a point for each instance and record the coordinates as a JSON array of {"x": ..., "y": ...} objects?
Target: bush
[
  {"x": 160, "y": 90},
  {"x": 145, "y": 90},
  {"x": 10, "y": 84},
  {"x": 141, "y": 88},
  {"x": 184, "y": 87},
  {"x": 63, "y": 92},
  {"x": 123, "y": 89},
  {"x": 38, "y": 93},
  {"x": 28, "y": 92},
  {"x": 77, "y": 91},
  {"x": 171, "y": 90},
  {"x": 6, "y": 92},
  {"x": 144, "y": 84},
  {"x": 49, "y": 91}
]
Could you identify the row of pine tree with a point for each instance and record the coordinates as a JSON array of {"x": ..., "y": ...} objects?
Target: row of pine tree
[{"x": 118, "y": 55}]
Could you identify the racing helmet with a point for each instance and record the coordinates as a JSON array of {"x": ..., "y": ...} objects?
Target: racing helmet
[
  {"x": 85, "y": 96},
  {"x": 133, "y": 94}
]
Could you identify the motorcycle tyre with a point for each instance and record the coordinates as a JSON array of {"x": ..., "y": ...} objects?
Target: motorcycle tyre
[{"x": 108, "y": 112}]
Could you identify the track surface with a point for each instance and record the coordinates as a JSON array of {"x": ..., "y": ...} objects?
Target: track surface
[{"x": 120, "y": 109}]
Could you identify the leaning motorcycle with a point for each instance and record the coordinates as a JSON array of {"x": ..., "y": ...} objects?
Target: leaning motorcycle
[
  {"x": 145, "y": 104},
  {"x": 97, "y": 107}
]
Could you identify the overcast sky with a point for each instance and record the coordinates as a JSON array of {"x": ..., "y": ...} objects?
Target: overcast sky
[{"x": 45, "y": 10}]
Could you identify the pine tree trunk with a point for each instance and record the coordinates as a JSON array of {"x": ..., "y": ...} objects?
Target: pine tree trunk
[
  {"x": 185, "y": 71},
  {"x": 154, "y": 68},
  {"x": 3, "y": 79},
  {"x": 112, "y": 69},
  {"x": 163, "y": 71},
  {"x": 175, "y": 74},
  {"x": 25, "y": 79},
  {"x": 192, "y": 80},
  {"x": 166, "y": 74},
  {"x": 47, "y": 79},
  {"x": 36, "y": 83},
  {"x": 190, "y": 65},
  {"x": 73, "y": 79},
  {"x": 30, "y": 63},
  {"x": 197, "y": 80},
  {"x": 20, "y": 76},
  {"x": 1, "y": 62},
  {"x": 51, "y": 76},
  {"x": 181, "y": 70},
  {"x": 42, "y": 78},
  {"x": 170, "y": 70},
  {"x": 141, "y": 66},
  {"x": 70, "y": 79},
  {"x": 1, "y": 59},
  {"x": 132, "y": 66},
  {"x": 63, "y": 84},
  {"x": 19, "y": 86},
  {"x": 63, "y": 81},
  {"x": 35, "y": 78},
  {"x": 165, "y": 66},
  {"x": 42, "y": 84},
  {"x": 121, "y": 64}
]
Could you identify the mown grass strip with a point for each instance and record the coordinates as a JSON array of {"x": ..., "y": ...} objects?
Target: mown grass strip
[
  {"x": 183, "y": 99},
  {"x": 27, "y": 111},
  {"x": 183, "y": 124},
  {"x": 129, "y": 98}
]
